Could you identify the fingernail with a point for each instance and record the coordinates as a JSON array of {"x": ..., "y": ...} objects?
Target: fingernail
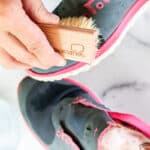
[
  {"x": 62, "y": 63},
  {"x": 55, "y": 18}
]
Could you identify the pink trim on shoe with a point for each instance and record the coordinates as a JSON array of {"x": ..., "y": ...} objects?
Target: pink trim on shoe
[
  {"x": 83, "y": 101},
  {"x": 88, "y": 5},
  {"x": 133, "y": 121},
  {"x": 105, "y": 47}
]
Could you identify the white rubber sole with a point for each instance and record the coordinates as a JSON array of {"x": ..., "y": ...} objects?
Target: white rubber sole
[{"x": 85, "y": 68}]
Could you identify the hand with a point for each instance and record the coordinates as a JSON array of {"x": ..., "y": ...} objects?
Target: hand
[{"x": 22, "y": 43}]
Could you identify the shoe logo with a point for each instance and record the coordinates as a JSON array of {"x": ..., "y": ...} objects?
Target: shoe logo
[
  {"x": 98, "y": 5},
  {"x": 75, "y": 50}
]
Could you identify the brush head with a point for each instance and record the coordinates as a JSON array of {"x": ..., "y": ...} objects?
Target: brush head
[
  {"x": 74, "y": 38},
  {"x": 82, "y": 22}
]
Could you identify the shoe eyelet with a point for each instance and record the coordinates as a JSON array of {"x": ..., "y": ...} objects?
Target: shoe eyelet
[
  {"x": 88, "y": 128},
  {"x": 100, "y": 5}
]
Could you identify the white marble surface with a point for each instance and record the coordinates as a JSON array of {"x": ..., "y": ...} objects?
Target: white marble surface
[{"x": 122, "y": 80}]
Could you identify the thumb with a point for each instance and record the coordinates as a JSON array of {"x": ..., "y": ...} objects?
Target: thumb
[{"x": 38, "y": 12}]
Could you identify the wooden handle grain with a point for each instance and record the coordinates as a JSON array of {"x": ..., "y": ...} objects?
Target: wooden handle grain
[{"x": 73, "y": 43}]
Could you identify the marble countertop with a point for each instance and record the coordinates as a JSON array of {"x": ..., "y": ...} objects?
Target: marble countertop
[{"x": 122, "y": 80}]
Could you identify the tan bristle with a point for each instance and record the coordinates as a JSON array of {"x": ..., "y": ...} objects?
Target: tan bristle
[{"x": 80, "y": 22}]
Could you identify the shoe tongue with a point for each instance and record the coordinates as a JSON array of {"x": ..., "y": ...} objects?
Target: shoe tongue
[{"x": 83, "y": 123}]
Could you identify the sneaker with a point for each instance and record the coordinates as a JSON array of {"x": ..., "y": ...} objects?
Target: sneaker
[
  {"x": 65, "y": 115},
  {"x": 113, "y": 18}
]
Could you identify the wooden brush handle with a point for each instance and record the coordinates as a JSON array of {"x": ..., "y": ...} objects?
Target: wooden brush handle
[{"x": 73, "y": 43}]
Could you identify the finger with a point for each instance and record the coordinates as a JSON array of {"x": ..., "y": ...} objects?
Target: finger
[
  {"x": 36, "y": 42},
  {"x": 8, "y": 62},
  {"x": 17, "y": 50},
  {"x": 38, "y": 12}
]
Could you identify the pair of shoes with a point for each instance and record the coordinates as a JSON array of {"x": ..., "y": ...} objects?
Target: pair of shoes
[
  {"x": 113, "y": 17},
  {"x": 65, "y": 115}
]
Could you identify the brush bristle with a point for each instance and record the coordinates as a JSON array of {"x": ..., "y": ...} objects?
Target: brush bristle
[
  {"x": 85, "y": 23},
  {"x": 80, "y": 22}
]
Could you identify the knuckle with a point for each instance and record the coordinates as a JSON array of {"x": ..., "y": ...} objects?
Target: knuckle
[
  {"x": 28, "y": 59},
  {"x": 36, "y": 46},
  {"x": 25, "y": 58}
]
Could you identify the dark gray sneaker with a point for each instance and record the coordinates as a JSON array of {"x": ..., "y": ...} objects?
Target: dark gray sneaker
[
  {"x": 65, "y": 115},
  {"x": 113, "y": 17}
]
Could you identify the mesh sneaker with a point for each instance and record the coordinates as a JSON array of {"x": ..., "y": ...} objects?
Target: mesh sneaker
[{"x": 65, "y": 115}]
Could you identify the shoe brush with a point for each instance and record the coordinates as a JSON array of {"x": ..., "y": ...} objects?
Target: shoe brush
[{"x": 75, "y": 38}]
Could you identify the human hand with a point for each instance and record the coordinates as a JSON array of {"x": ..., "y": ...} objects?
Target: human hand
[{"x": 22, "y": 43}]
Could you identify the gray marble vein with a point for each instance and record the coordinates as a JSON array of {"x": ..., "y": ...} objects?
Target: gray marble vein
[
  {"x": 139, "y": 40},
  {"x": 126, "y": 86}
]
